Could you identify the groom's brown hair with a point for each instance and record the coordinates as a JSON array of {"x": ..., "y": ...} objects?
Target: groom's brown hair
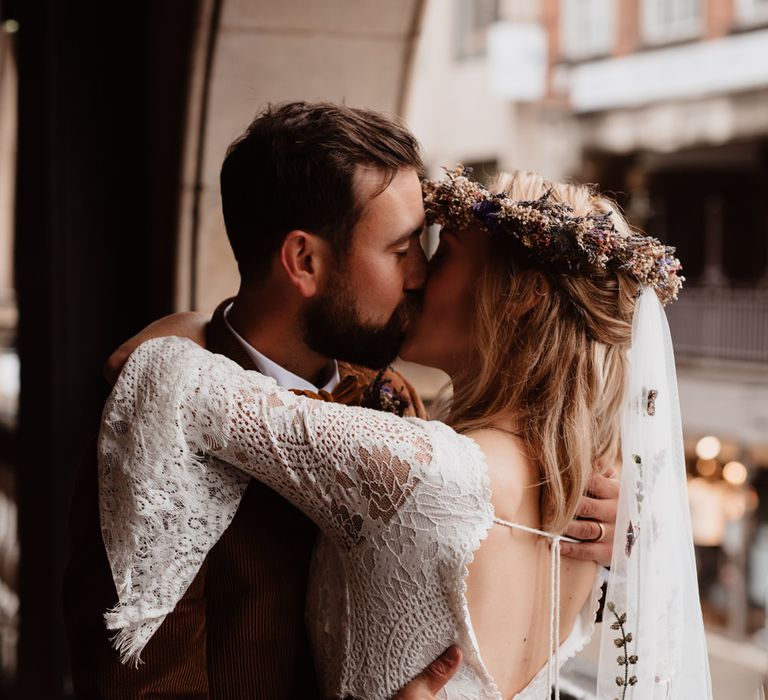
[{"x": 294, "y": 168}]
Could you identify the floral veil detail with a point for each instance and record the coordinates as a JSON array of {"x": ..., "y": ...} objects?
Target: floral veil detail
[{"x": 552, "y": 234}]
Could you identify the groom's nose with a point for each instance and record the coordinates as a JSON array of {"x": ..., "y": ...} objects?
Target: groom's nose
[{"x": 416, "y": 271}]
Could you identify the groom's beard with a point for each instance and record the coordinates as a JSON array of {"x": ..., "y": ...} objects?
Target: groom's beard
[{"x": 333, "y": 327}]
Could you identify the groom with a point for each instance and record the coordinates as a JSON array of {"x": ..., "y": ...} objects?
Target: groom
[{"x": 322, "y": 206}]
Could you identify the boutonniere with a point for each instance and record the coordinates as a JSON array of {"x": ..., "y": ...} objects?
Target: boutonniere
[{"x": 381, "y": 395}]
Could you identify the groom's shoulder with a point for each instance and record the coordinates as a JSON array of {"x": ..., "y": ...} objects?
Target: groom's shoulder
[{"x": 388, "y": 388}]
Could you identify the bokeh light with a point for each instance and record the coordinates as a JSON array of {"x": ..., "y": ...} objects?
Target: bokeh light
[
  {"x": 735, "y": 473},
  {"x": 708, "y": 447}
]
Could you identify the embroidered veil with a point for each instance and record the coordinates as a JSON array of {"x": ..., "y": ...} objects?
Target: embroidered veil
[{"x": 653, "y": 645}]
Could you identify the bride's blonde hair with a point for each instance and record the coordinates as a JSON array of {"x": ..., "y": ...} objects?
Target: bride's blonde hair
[{"x": 551, "y": 351}]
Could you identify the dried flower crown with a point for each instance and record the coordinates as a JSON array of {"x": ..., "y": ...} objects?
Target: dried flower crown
[{"x": 552, "y": 234}]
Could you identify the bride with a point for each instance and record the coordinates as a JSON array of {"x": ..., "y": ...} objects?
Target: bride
[{"x": 538, "y": 304}]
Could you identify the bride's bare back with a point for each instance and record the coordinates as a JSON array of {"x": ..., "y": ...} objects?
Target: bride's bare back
[{"x": 508, "y": 589}]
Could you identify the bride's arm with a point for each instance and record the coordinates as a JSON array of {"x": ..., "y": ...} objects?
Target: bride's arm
[
  {"x": 349, "y": 469},
  {"x": 362, "y": 475}
]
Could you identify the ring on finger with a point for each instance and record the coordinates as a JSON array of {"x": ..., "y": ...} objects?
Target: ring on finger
[{"x": 600, "y": 537}]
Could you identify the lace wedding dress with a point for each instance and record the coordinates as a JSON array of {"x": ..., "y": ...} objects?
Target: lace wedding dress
[{"x": 402, "y": 503}]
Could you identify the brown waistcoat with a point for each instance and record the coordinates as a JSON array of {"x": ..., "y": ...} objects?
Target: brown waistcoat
[{"x": 239, "y": 630}]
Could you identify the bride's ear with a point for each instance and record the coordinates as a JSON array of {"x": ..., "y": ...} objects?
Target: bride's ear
[
  {"x": 304, "y": 257},
  {"x": 538, "y": 289},
  {"x": 541, "y": 288}
]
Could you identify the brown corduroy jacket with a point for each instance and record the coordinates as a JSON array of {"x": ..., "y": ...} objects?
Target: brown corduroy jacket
[{"x": 239, "y": 630}]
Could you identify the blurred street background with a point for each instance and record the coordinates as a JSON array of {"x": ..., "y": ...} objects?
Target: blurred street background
[{"x": 114, "y": 120}]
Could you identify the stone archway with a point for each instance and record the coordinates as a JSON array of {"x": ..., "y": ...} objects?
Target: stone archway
[{"x": 353, "y": 51}]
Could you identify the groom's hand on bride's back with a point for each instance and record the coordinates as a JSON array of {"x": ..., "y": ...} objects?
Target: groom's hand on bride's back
[
  {"x": 599, "y": 505},
  {"x": 188, "y": 324},
  {"x": 432, "y": 679}
]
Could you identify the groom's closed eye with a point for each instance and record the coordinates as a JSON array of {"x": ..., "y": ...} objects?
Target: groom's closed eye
[
  {"x": 402, "y": 247},
  {"x": 404, "y": 242}
]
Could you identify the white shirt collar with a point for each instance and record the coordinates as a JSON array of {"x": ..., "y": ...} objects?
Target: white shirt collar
[{"x": 286, "y": 379}]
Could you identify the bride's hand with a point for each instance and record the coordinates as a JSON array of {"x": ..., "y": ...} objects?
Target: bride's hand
[
  {"x": 595, "y": 521},
  {"x": 188, "y": 324}
]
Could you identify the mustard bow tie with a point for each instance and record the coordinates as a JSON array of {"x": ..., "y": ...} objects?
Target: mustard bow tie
[
  {"x": 349, "y": 391},
  {"x": 356, "y": 391}
]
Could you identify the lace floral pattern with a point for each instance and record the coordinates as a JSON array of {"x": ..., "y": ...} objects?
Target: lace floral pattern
[{"x": 402, "y": 504}]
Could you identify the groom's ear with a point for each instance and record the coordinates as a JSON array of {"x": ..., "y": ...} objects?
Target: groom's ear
[{"x": 304, "y": 257}]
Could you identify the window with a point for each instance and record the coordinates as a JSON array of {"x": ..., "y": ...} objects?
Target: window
[
  {"x": 672, "y": 20},
  {"x": 751, "y": 12},
  {"x": 473, "y": 17},
  {"x": 587, "y": 27}
]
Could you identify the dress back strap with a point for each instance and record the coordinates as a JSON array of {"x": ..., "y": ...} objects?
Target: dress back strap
[
  {"x": 554, "y": 598},
  {"x": 533, "y": 530}
]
